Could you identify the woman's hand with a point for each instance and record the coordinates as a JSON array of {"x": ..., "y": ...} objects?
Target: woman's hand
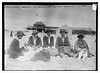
[
  {"x": 25, "y": 44},
  {"x": 38, "y": 46},
  {"x": 25, "y": 50}
]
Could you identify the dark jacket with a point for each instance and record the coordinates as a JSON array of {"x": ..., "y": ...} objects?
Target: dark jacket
[
  {"x": 59, "y": 42},
  {"x": 46, "y": 43},
  {"x": 80, "y": 44},
  {"x": 38, "y": 41},
  {"x": 14, "y": 50}
]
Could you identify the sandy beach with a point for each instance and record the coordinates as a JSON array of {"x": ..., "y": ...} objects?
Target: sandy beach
[{"x": 55, "y": 63}]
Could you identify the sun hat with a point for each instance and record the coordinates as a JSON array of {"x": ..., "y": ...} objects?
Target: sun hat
[
  {"x": 63, "y": 31},
  {"x": 80, "y": 35},
  {"x": 20, "y": 33},
  {"x": 48, "y": 31},
  {"x": 34, "y": 32}
]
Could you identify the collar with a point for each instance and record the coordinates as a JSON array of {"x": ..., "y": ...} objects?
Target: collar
[
  {"x": 17, "y": 39},
  {"x": 47, "y": 35},
  {"x": 35, "y": 38},
  {"x": 61, "y": 37}
]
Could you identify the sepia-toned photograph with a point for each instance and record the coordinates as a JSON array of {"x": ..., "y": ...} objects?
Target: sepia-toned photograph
[{"x": 50, "y": 36}]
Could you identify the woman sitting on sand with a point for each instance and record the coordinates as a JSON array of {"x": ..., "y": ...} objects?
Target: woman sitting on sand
[
  {"x": 35, "y": 40},
  {"x": 63, "y": 44},
  {"x": 15, "y": 51},
  {"x": 48, "y": 43},
  {"x": 36, "y": 52},
  {"x": 48, "y": 40},
  {"x": 81, "y": 44}
]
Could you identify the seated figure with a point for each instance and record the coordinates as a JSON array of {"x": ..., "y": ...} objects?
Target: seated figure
[
  {"x": 35, "y": 40},
  {"x": 48, "y": 40},
  {"x": 63, "y": 44},
  {"x": 81, "y": 44},
  {"x": 15, "y": 51}
]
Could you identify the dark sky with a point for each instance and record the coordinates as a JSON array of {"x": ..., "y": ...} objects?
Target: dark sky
[{"x": 19, "y": 17}]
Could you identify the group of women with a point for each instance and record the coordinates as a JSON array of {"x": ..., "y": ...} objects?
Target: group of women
[{"x": 62, "y": 45}]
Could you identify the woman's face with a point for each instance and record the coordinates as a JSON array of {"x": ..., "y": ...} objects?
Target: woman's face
[
  {"x": 34, "y": 35},
  {"x": 62, "y": 34},
  {"x": 48, "y": 34},
  {"x": 66, "y": 34},
  {"x": 20, "y": 37},
  {"x": 81, "y": 38}
]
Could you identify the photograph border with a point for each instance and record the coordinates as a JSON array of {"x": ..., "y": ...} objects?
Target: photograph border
[{"x": 45, "y": 3}]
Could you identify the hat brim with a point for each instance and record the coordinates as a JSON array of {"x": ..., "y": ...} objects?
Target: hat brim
[
  {"x": 80, "y": 36},
  {"x": 48, "y": 31},
  {"x": 34, "y": 33},
  {"x": 20, "y": 35},
  {"x": 63, "y": 32}
]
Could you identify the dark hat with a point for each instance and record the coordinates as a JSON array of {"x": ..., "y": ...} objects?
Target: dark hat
[
  {"x": 80, "y": 35},
  {"x": 20, "y": 33},
  {"x": 63, "y": 31},
  {"x": 48, "y": 31},
  {"x": 34, "y": 32}
]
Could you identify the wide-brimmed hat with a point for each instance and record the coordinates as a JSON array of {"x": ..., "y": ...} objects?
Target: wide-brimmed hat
[
  {"x": 80, "y": 35},
  {"x": 20, "y": 33},
  {"x": 63, "y": 31},
  {"x": 35, "y": 32},
  {"x": 48, "y": 31}
]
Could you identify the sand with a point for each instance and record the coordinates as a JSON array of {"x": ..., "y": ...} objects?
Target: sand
[{"x": 55, "y": 63}]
